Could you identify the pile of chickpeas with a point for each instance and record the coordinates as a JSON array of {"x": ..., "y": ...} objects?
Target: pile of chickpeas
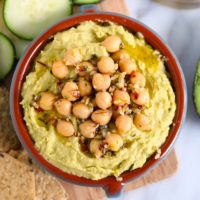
[{"x": 104, "y": 99}]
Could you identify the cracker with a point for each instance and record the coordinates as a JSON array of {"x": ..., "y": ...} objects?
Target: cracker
[
  {"x": 8, "y": 138},
  {"x": 17, "y": 180},
  {"x": 22, "y": 156},
  {"x": 4, "y": 96},
  {"x": 47, "y": 187}
]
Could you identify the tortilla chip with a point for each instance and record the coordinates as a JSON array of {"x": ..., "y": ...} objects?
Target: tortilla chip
[
  {"x": 47, "y": 187},
  {"x": 8, "y": 138},
  {"x": 17, "y": 180}
]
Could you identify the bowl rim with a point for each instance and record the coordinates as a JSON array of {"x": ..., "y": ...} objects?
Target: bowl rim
[{"x": 21, "y": 72}]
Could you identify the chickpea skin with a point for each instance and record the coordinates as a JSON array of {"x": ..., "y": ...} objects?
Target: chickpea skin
[
  {"x": 103, "y": 100},
  {"x": 95, "y": 147},
  {"x": 106, "y": 65},
  {"x": 119, "y": 55},
  {"x": 63, "y": 107},
  {"x": 112, "y": 43},
  {"x": 142, "y": 122},
  {"x": 84, "y": 87},
  {"x": 72, "y": 57},
  {"x": 81, "y": 110},
  {"x": 123, "y": 123},
  {"x": 114, "y": 141},
  {"x": 127, "y": 65},
  {"x": 59, "y": 70},
  {"x": 121, "y": 98},
  {"x": 101, "y": 82},
  {"x": 88, "y": 128},
  {"x": 47, "y": 100},
  {"x": 101, "y": 117},
  {"x": 141, "y": 98},
  {"x": 70, "y": 91},
  {"x": 137, "y": 79},
  {"x": 65, "y": 128},
  {"x": 85, "y": 68}
]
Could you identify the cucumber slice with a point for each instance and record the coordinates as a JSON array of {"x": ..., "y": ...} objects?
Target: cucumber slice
[
  {"x": 27, "y": 18},
  {"x": 197, "y": 89},
  {"x": 20, "y": 46},
  {"x": 7, "y": 55},
  {"x": 79, "y": 2}
]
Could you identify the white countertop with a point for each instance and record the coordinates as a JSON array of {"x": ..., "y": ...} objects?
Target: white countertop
[{"x": 181, "y": 30}]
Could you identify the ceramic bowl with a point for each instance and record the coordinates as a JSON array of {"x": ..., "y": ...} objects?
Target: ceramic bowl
[{"x": 110, "y": 184}]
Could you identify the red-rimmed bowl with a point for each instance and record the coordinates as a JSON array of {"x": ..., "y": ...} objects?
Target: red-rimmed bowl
[{"x": 110, "y": 184}]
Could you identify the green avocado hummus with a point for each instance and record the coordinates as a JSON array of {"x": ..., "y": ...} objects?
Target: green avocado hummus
[{"x": 71, "y": 153}]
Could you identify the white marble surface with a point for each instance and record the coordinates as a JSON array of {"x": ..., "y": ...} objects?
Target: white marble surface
[{"x": 181, "y": 30}]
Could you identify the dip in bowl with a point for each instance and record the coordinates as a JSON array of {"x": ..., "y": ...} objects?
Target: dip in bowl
[{"x": 96, "y": 102}]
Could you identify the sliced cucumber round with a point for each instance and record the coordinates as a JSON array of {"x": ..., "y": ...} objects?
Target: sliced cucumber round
[
  {"x": 79, "y": 2},
  {"x": 197, "y": 89},
  {"x": 28, "y": 18},
  {"x": 7, "y": 55},
  {"x": 20, "y": 46}
]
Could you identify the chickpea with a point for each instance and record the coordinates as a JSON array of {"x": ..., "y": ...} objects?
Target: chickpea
[
  {"x": 63, "y": 106},
  {"x": 59, "y": 70},
  {"x": 119, "y": 55},
  {"x": 81, "y": 110},
  {"x": 114, "y": 141},
  {"x": 95, "y": 147},
  {"x": 65, "y": 128},
  {"x": 85, "y": 68},
  {"x": 72, "y": 57},
  {"x": 112, "y": 43},
  {"x": 142, "y": 122},
  {"x": 137, "y": 79},
  {"x": 103, "y": 100},
  {"x": 121, "y": 97},
  {"x": 123, "y": 123},
  {"x": 101, "y": 117},
  {"x": 140, "y": 98},
  {"x": 106, "y": 65},
  {"x": 47, "y": 100},
  {"x": 101, "y": 82},
  {"x": 70, "y": 91},
  {"x": 84, "y": 87},
  {"x": 88, "y": 128},
  {"x": 127, "y": 65}
]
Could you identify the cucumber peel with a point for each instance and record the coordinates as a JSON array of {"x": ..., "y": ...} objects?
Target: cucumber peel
[
  {"x": 79, "y": 2},
  {"x": 7, "y": 55},
  {"x": 197, "y": 89},
  {"x": 26, "y": 19}
]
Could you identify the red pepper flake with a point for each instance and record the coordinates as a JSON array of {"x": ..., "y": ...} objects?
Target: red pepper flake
[
  {"x": 139, "y": 107},
  {"x": 116, "y": 108},
  {"x": 84, "y": 148},
  {"x": 133, "y": 74},
  {"x": 101, "y": 146},
  {"x": 39, "y": 109},
  {"x": 135, "y": 95}
]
